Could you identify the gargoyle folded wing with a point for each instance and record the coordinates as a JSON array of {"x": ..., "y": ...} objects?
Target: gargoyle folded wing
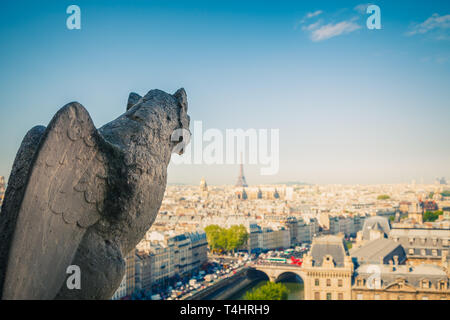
[{"x": 63, "y": 195}]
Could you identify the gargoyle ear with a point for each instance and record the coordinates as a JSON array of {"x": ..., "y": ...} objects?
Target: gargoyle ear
[
  {"x": 181, "y": 97},
  {"x": 133, "y": 98}
]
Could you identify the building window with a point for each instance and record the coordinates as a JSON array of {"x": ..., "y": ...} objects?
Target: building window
[
  {"x": 425, "y": 284},
  {"x": 316, "y": 295},
  {"x": 316, "y": 282},
  {"x": 328, "y": 296},
  {"x": 328, "y": 282},
  {"x": 411, "y": 251},
  {"x": 340, "y": 283},
  {"x": 340, "y": 296},
  {"x": 442, "y": 285}
]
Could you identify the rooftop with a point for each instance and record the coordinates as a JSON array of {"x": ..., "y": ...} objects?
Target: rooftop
[
  {"x": 375, "y": 250},
  {"x": 329, "y": 245}
]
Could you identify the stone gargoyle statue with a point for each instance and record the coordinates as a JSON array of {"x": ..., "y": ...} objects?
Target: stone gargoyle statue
[{"x": 85, "y": 197}]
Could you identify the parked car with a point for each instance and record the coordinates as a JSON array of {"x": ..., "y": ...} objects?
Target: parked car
[
  {"x": 208, "y": 278},
  {"x": 192, "y": 282}
]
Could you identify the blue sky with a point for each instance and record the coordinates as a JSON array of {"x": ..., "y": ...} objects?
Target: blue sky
[{"x": 353, "y": 105}]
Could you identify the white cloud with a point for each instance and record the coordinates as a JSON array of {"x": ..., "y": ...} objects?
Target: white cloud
[
  {"x": 313, "y": 14},
  {"x": 362, "y": 8},
  {"x": 312, "y": 26},
  {"x": 332, "y": 30},
  {"x": 433, "y": 23},
  {"x": 319, "y": 31},
  {"x": 309, "y": 15}
]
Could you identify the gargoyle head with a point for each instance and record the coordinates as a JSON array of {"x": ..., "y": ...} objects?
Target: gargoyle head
[{"x": 158, "y": 107}]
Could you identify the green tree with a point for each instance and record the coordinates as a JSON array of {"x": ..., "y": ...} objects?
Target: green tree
[
  {"x": 348, "y": 244},
  {"x": 214, "y": 237},
  {"x": 446, "y": 193},
  {"x": 431, "y": 216},
  {"x": 269, "y": 291},
  {"x": 237, "y": 237},
  {"x": 221, "y": 239},
  {"x": 383, "y": 197}
]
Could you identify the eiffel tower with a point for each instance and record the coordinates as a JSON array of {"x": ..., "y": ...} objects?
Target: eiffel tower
[{"x": 241, "y": 182}]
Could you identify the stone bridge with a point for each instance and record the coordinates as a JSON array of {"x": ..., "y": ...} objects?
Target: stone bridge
[{"x": 274, "y": 271}]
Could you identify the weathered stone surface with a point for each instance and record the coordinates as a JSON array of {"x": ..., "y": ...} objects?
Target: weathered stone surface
[{"x": 82, "y": 196}]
